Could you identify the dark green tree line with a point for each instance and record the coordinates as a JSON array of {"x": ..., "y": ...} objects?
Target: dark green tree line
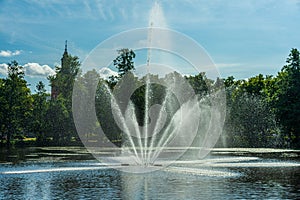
[{"x": 262, "y": 111}]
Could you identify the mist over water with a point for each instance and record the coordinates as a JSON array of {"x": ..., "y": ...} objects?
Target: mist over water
[{"x": 169, "y": 117}]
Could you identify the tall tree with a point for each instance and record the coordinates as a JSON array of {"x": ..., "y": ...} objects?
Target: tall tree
[
  {"x": 61, "y": 103},
  {"x": 57, "y": 117},
  {"x": 288, "y": 98},
  {"x": 16, "y": 102},
  {"x": 2, "y": 111},
  {"x": 38, "y": 118},
  {"x": 64, "y": 78}
]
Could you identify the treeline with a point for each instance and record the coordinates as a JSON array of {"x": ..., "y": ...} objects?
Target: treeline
[
  {"x": 37, "y": 118},
  {"x": 262, "y": 111}
]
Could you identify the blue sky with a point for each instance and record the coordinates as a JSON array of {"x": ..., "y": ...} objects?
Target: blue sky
[{"x": 244, "y": 38}]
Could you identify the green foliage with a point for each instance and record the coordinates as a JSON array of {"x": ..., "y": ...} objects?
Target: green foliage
[
  {"x": 262, "y": 111},
  {"x": 250, "y": 122},
  {"x": 254, "y": 85},
  {"x": 84, "y": 99},
  {"x": 250, "y": 119},
  {"x": 199, "y": 83},
  {"x": 287, "y": 98},
  {"x": 16, "y": 103},
  {"x": 104, "y": 112},
  {"x": 64, "y": 78},
  {"x": 57, "y": 116},
  {"x": 38, "y": 120},
  {"x": 277, "y": 97},
  {"x": 229, "y": 82},
  {"x": 124, "y": 62},
  {"x": 61, "y": 128}
]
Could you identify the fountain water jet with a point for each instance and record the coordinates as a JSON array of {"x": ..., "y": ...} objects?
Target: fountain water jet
[{"x": 180, "y": 121}]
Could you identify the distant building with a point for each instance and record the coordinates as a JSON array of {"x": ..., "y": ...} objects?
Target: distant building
[{"x": 53, "y": 81}]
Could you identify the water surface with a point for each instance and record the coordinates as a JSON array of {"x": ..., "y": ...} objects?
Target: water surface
[{"x": 233, "y": 175}]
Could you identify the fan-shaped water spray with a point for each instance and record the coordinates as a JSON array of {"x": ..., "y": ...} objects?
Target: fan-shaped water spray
[{"x": 172, "y": 120}]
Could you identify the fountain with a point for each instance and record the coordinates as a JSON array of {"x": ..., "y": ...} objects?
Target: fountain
[
  {"x": 176, "y": 133},
  {"x": 179, "y": 125}
]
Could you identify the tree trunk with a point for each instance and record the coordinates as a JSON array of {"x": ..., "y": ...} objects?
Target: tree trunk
[{"x": 8, "y": 140}]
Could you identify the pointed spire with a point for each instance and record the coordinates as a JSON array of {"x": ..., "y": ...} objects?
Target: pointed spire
[
  {"x": 66, "y": 46},
  {"x": 65, "y": 55}
]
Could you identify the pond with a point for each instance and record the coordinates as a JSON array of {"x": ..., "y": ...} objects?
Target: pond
[{"x": 71, "y": 173}]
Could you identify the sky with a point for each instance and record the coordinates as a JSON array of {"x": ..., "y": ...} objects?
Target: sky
[{"x": 243, "y": 38}]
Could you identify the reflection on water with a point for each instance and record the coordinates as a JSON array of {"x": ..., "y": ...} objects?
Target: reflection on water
[
  {"x": 61, "y": 184},
  {"x": 217, "y": 177},
  {"x": 43, "y": 153}
]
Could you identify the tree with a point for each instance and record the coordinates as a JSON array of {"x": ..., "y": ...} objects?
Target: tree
[
  {"x": 16, "y": 103},
  {"x": 199, "y": 83},
  {"x": 104, "y": 112},
  {"x": 84, "y": 101},
  {"x": 38, "y": 117},
  {"x": 229, "y": 81},
  {"x": 250, "y": 122},
  {"x": 254, "y": 85},
  {"x": 250, "y": 119},
  {"x": 124, "y": 62},
  {"x": 61, "y": 104},
  {"x": 2, "y": 110},
  {"x": 288, "y": 98},
  {"x": 58, "y": 119},
  {"x": 64, "y": 78}
]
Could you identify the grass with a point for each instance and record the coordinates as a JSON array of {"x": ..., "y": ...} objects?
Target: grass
[{"x": 29, "y": 139}]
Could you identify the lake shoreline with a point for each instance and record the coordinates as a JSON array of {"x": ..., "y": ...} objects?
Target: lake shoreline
[{"x": 62, "y": 153}]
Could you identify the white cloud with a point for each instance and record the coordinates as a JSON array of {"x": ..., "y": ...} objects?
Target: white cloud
[
  {"x": 35, "y": 69},
  {"x": 105, "y": 73},
  {"x": 8, "y": 53},
  {"x": 3, "y": 69},
  {"x": 30, "y": 69}
]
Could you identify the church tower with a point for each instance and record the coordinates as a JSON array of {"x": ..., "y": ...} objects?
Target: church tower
[
  {"x": 64, "y": 57},
  {"x": 54, "y": 89}
]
